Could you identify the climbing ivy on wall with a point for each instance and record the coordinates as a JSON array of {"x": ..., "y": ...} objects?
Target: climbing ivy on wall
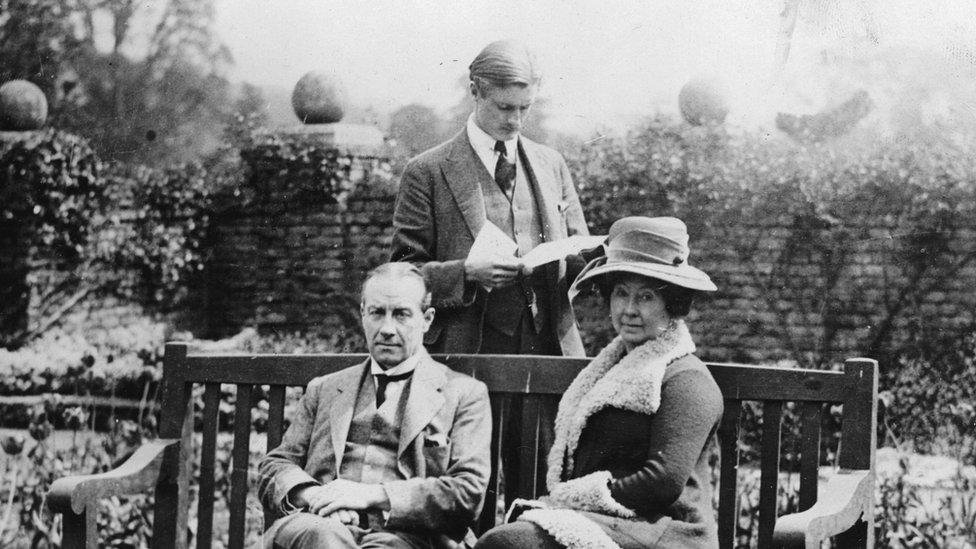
[
  {"x": 50, "y": 191},
  {"x": 78, "y": 228},
  {"x": 815, "y": 247}
]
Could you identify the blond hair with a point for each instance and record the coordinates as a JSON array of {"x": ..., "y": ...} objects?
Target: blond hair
[{"x": 504, "y": 63}]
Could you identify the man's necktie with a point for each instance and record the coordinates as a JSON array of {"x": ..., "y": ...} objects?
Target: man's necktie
[
  {"x": 504, "y": 170},
  {"x": 382, "y": 380}
]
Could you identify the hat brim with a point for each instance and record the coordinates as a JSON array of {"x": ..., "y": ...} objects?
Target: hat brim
[{"x": 683, "y": 275}]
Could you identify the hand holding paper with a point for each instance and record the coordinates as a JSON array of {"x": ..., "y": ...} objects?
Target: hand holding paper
[{"x": 491, "y": 261}]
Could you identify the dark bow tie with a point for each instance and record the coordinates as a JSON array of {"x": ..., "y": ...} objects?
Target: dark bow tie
[{"x": 382, "y": 380}]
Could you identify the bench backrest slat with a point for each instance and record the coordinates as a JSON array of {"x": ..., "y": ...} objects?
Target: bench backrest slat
[
  {"x": 758, "y": 383},
  {"x": 772, "y": 420},
  {"x": 859, "y": 436},
  {"x": 859, "y": 425},
  {"x": 810, "y": 417},
  {"x": 276, "y": 415},
  {"x": 529, "y": 450},
  {"x": 208, "y": 457},
  {"x": 520, "y": 389},
  {"x": 499, "y": 416},
  {"x": 542, "y": 375},
  {"x": 728, "y": 438},
  {"x": 239, "y": 466}
]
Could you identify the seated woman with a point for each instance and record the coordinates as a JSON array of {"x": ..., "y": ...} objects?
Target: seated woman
[{"x": 636, "y": 429}]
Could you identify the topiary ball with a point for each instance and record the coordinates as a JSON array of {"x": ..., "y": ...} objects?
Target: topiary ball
[
  {"x": 22, "y": 106},
  {"x": 704, "y": 101},
  {"x": 318, "y": 98}
]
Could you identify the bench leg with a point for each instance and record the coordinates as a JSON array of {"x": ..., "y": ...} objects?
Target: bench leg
[
  {"x": 856, "y": 537},
  {"x": 78, "y": 531}
]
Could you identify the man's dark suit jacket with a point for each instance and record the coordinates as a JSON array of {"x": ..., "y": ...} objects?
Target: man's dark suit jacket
[{"x": 439, "y": 211}]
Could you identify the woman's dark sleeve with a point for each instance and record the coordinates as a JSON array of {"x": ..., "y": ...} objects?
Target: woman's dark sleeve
[{"x": 691, "y": 405}]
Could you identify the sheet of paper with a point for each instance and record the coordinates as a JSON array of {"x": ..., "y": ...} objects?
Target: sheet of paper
[
  {"x": 492, "y": 242},
  {"x": 559, "y": 249}
]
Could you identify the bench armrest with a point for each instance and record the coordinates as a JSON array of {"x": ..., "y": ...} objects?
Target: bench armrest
[
  {"x": 848, "y": 496},
  {"x": 137, "y": 475}
]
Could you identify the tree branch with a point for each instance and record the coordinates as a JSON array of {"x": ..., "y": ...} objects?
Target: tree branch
[
  {"x": 787, "y": 24},
  {"x": 27, "y": 335}
]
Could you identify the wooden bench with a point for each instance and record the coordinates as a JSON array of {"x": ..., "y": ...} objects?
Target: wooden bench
[{"x": 844, "y": 508}]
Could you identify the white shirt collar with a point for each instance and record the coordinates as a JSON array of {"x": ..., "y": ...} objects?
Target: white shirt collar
[
  {"x": 484, "y": 145},
  {"x": 407, "y": 365}
]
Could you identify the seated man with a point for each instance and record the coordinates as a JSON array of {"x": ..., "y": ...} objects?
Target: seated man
[{"x": 393, "y": 452}]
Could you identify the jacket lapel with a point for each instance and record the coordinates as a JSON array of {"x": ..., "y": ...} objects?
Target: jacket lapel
[
  {"x": 463, "y": 172},
  {"x": 545, "y": 192},
  {"x": 423, "y": 402},
  {"x": 340, "y": 413}
]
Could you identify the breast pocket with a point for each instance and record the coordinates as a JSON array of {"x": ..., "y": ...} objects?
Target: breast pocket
[{"x": 437, "y": 453}]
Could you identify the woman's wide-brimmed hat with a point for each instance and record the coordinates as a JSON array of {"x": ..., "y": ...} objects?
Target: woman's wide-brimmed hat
[{"x": 655, "y": 247}]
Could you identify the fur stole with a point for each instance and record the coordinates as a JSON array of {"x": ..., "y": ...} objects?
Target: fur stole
[
  {"x": 614, "y": 378},
  {"x": 617, "y": 379}
]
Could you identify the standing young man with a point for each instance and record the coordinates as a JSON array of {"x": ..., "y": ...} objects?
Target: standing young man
[{"x": 489, "y": 172}]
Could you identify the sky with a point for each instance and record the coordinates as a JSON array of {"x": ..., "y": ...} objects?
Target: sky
[{"x": 604, "y": 62}]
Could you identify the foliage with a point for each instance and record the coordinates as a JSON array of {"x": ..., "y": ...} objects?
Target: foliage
[
  {"x": 157, "y": 227},
  {"x": 87, "y": 228},
  {"x": 292, "y": 169},
  {"x": 50, "y": 190},
  {"x": 41, "y": 454},
  {"x": 249, "y": 115},
  {"x": 928, "y": 400},
  {"x": 90, "y": 229},
  {"x": 50, "y": 186},
  {"x": 907, "y": 514},
  {"x": 414, "y": 128},
  {"x": 31, "y": 464},
  {"x": 153, "y": 97},
  {"x": 36, "y": 42},
  {"x": 914, "y": 516},
  {"x": 736, "y": 192},
  {"x": 123, "y": 362}
]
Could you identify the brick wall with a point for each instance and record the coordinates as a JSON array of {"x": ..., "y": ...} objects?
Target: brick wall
[
  {"x": 789, "y": 289},
  {"x": 286, "y": 263},
  {"x": 787, "y": 294},
  {"x": 297, "y": 267}
]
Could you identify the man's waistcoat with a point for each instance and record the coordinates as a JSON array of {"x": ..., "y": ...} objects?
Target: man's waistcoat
[{"x": 519, "y": 219}]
